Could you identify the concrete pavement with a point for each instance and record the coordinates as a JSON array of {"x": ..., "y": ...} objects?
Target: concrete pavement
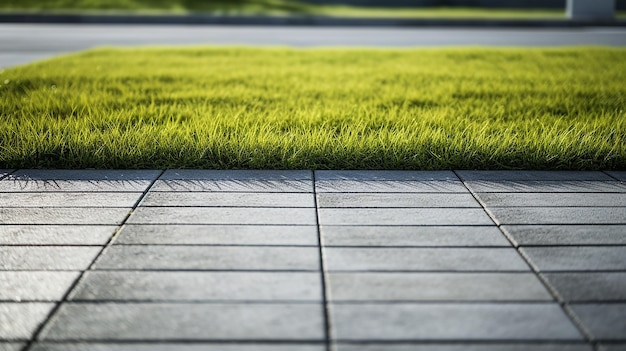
[
  {"x": 23, "y": 43},
  {"x": 301, "y": 260}
]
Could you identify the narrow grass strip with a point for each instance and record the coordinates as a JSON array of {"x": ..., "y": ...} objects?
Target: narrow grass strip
[{"x": 469, "y": 108}]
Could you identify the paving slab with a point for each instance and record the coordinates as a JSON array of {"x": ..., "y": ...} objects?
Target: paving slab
[
  {"x": 239, "y": 174},
  {"x": 545, "y": 186},
  {"x": 389, "y": 186},
  {"x": 552, "y": 200},
  {"x": 86, "y": 174},
  {"x": 63, "y": 215},
  {"x": 229, "y": 199},
  {"x": 18, "y": 321},
  {"x": 46, "y": 257},
  {"x": 398, "y": 322},
  {"x": 591, "y": 286},
  {"x": 412, "y": 236},
  {"x": 567, "y": 234},
  {"x": 532, "y": 175},
  {"x": 423, "y": 259},
  {"x": 11, "y": 346},
  {"x": 382, "y": 200},
  {"x": 39, "y": 186},
  {"x": 159, "y": 234},
  {"x": 55, "y": 234},
  {"x": 620, "y": 175},
  {"x": 577, "y": 258},
  {"x": 35, "y": 286},
  {"x": 242, "y": 186},
  {"x": 604, "y": 321},
  {"x": 198, "y": 286},
  {"x": 384, "y": 175},
  {"x": 175, "y": 347},
  {"x": 404, "y": 216},
  {"x": 223, "y": 215},
  {"x": 465, "y": 347},
  {"x": 141, "y": 322},
  {"x": 559, "y": 215},
  {"x": 69, "y": 199},
  {"x": 436, "y": 287},
  {"x": 209, "y": 258}
]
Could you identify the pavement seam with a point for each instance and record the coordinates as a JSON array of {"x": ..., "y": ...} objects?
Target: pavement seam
[
  {"x": 552, "y": 290},
  {"x": 323, "y": 272},
  {"x": 610, "y": 175},
  {"x": 69, "y": 291}
]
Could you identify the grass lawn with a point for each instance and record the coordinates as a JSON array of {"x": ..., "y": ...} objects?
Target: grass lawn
[
  {"x": 273, "y": 7},
  {"x": 318, "y": 109}
]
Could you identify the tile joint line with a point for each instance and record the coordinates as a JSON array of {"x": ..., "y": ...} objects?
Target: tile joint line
[
  {"x": 65, "y": 297},
  {"x": 327, "y": 325},
  {"x": 557, "y": 297}
]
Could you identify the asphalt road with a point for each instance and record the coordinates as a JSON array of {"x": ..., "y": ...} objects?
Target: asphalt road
[{"x": 22, "y": 43}]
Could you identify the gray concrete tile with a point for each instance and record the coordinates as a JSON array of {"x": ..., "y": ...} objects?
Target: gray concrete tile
[
  {"x": 423, "y": 322},
  {"x": 423, "y": 259},
  {"x": 222, "y": 215},
  {"x": 403, "y": 216},
  {"x": 69, "y": 199},
  {"x": 612, "y": 347},
  {"x": 567, "y": 234},
  {"x": 591, "y": 286},
  {"x": 55, "y": 234},
  {"x": 209, "y": 258},
  {"x": 545, "y": 186},
  {"x": 218, "y": 234},
  {"x": 18, "y": 321},
  {"x": 577, "y": 258},
  {"x": 35, "y": 286},
  {"x": 389, "y": 186},
  {"x": 11, "y": 346},
  {"x": 532, "y": 175},
  {"x": 37, "y": 185},
  {"x": 85, "y": 174},
  {"x": 382, "y": 200},
  {"x": 412, "y": 236},
  {"x": 604, "y": 321},
  {"x": 520, "y": 346},
  {"x": 240, "y": 174},
  {"x": 384, "y": 175},
  {"x": 436, "y": 287},
  {"x": 46, "y": 257},
  {"x": 63, "y": 215},
  {"x": 242, "y": 186},
  {"x": 199, "y": 286},
  {"x": 621, "y": 175},
  {"x": 177, "y": 347},
  {"x": 205, "y": 199},
  {"x": 141, "y": 322},
  {"x": 559, "y": 215},
  {"x": 553, "y": 200}
]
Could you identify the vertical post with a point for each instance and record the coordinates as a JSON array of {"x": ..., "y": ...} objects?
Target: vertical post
[{"x": 591, "y": 9}]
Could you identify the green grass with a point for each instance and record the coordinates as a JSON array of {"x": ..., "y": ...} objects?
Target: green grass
[
  {"x": 273, "y": 7},
  {"x": 318, "y": 109}
]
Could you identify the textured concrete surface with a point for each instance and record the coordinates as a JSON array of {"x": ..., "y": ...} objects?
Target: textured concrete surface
[{"x": 308, "y": 261}]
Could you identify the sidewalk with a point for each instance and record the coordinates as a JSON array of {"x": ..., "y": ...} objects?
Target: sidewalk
[{"x": 309, "y": 261}]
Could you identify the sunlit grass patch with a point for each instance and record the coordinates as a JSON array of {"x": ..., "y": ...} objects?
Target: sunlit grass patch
[{"x": 317, "y": 109}]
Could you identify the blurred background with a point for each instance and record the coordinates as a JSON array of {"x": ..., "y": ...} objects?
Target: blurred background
[{"x": 344, "y": 8}]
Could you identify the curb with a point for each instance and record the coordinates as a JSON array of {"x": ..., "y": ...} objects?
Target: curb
[{"x": 322, "y": 21}]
